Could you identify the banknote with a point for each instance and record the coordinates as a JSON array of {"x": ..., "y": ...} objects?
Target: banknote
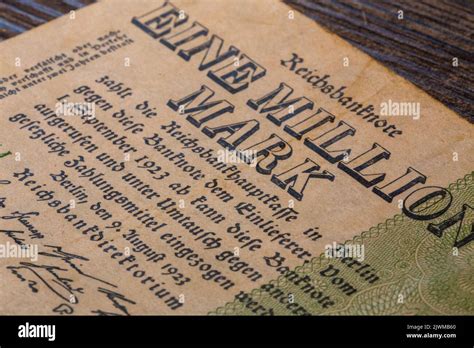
[{"x": 224, "y": 158}]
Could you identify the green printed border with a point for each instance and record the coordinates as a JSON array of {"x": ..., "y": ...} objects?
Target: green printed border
[{"x": 438, "y": 285}]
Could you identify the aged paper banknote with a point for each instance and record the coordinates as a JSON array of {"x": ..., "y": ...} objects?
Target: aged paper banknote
[{"x": 225, "y": 157}]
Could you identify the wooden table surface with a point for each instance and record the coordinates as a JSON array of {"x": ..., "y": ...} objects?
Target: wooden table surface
[{"x": 420, "y": 47}]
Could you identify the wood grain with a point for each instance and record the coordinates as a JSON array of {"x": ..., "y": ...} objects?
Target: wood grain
[{"x": 420, "y": 47}]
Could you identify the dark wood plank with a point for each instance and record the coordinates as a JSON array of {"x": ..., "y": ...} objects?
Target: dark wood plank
[{"x": 420, "y": 47}]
